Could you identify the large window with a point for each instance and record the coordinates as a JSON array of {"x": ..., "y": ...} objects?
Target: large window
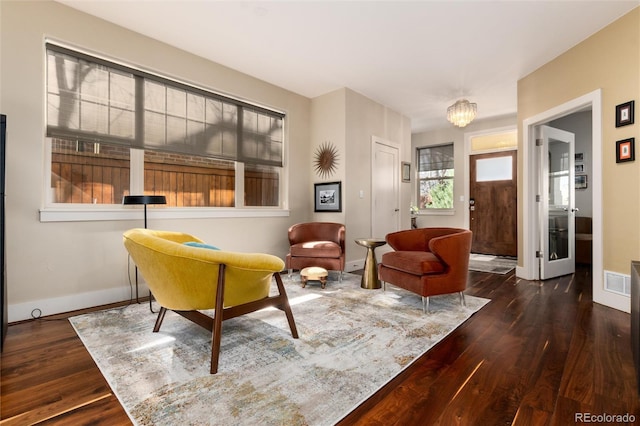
[
  {"x": 195, "y": 143},
  {"x": 435, "y": 176}
]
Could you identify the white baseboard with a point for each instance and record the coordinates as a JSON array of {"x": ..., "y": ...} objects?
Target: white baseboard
[
  {"x": 354, "y": 265},
  {"x": 57, "y": 305}
]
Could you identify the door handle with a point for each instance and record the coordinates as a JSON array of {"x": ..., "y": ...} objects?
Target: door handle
[
  {"x": 575, "y": 210},
  {"x": 396, "y": 210}
]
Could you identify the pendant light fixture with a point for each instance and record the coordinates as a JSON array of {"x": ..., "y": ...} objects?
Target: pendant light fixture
[{"x": 462, "y": 113}]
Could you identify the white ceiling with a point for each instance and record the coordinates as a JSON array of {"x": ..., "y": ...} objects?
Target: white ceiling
[{"x": 416, "y": 57}]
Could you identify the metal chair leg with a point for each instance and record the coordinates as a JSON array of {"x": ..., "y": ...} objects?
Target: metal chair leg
[
  {"x": 425, "y": 305},
  {"x": 463, "y": 302}
]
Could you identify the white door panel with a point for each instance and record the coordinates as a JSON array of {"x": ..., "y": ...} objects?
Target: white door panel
[
  {"x": 557, "y": 202},
  {"x": 385, "y": 189}
]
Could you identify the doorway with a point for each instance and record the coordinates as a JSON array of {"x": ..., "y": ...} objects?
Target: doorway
[{"x": 530, "y": 216}]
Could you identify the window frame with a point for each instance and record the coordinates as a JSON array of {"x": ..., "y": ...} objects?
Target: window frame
[{"x": 54, "y": 212}]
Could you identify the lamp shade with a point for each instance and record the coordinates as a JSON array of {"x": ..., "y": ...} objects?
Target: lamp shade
[{"x": 144, "y": 199}]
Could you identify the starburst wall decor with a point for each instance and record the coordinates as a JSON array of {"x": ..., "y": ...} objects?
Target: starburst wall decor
[{"x": 325, "y": 160}]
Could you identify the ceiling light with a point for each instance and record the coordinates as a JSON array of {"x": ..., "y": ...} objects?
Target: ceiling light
[{"x": 462, "y": 113}]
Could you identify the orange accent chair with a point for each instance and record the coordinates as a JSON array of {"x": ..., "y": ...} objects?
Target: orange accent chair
[
  {"x": 428, "y": 261},
  {"x": 316, "y": 244},
  {"x": 187, "y": 280}
]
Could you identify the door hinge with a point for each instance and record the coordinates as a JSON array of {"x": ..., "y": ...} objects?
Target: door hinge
[
  {"x": 539, "y": 254},
  {"x": 538, "y": 142},
  {"x": 537, "y": 198}
]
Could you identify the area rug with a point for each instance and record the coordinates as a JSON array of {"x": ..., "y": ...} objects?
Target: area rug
[
  {"x": 493, "y": 264},
  {"x": 352, "y": 341}
]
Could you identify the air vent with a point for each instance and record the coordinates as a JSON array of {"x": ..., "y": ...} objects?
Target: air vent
[{"x": 617, "y": 283}]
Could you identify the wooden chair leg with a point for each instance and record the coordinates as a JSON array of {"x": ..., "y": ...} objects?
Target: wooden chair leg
[
  {"x": 217, "y": 321},
  {"x": 159, "y": 320},
  {"x": 285, "y": 306}
]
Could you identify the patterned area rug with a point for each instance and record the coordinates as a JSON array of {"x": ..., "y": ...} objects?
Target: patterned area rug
[
  {"x": 493, "y": 264},
  {"x": 352, "y": 341}
]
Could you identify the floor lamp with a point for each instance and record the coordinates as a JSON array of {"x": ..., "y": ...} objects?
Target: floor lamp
[{"x": 143, "y": 200}]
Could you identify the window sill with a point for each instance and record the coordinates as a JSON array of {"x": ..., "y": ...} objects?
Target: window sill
[
  {"x": 108, "y": 213},
  {"x": 439, "y": 212}
]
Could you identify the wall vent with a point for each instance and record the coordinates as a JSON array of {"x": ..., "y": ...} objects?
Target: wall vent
[{"x": 617, "y": 283}]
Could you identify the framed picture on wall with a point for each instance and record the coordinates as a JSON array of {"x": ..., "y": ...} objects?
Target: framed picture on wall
[
  {"x": 406, "y": 171},
  {"x": 625, "y": 150},
  {"x": 328, "y": 197},
  {"x": 581, "y": 182},
  {"x": 625, "y": 114}
]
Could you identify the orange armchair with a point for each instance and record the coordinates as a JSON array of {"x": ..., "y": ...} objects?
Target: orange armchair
[
  {"x": 188, "y": 279},
  {"x": 316, "y": 244},
  {"x": 428, "y": 261}
]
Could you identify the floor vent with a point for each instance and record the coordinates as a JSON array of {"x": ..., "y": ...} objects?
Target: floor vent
[{"x": 617, "y": 283}]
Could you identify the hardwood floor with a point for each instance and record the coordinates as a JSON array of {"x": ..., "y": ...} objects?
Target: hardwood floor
[{"x": 539, "y": 354}]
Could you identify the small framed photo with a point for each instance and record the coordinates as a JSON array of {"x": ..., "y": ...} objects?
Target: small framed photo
[
  {"x": 579, "y": 156},
  {"x": 406, "y": 171},
  {"x": 581, "y": 182},
  {"x": 579, "y": 168},
  {"x": 625, "y": 114},
  {"x": 328, "y": 197},
  {"x": 625, "y": 150}
]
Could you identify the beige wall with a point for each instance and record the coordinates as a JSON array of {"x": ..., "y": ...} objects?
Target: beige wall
[
  {"x": 349, "y": 120},
  {"x": 60, "y": 266},
  {"x": 608, "y": 60},
  {"x": 366, "y": 119}
]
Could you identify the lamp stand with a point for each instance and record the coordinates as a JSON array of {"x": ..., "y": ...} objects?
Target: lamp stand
[{"x": 144, "y": 200}]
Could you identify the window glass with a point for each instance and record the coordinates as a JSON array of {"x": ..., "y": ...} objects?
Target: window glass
[
  {"x": 185, "y": 182},
  {"x": 492, "y": 169},
  {"x": 193, "y": 140},
  {"x": 435, "y": 175},
  {"x": 261, "y": 185},
  {"x": 88, "y": 172}
]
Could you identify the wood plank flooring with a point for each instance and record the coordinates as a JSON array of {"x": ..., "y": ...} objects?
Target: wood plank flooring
[{"x": 539, "y": 354}]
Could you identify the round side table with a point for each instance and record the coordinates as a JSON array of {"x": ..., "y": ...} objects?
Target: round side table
[{"x": 370, "y": 277}]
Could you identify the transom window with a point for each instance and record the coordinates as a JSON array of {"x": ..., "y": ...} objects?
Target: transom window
[{"x": 200, "y": 149}]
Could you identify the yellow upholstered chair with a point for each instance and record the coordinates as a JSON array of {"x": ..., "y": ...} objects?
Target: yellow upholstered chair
[{"x": 188, "y": 279}]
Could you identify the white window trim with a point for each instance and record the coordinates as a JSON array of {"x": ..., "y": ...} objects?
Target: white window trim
[{"x": 114, "y": 212}]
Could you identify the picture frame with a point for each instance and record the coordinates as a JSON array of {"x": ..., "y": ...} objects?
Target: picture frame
[
  {"x": 406, "y": 171},
  {"x": 581, "y": 182},
  {"x": 579, "y": 168},
  {"x": 625, "y": 114},
  {"x": 625, "y": 150},
  {"x": 579, "y": 157},
  {"x": 328, "y": 197}
]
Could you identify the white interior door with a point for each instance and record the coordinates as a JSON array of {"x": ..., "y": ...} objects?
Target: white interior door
[
  {"x": 557, "y": 202},
  {"x": 385, "y": 189}
]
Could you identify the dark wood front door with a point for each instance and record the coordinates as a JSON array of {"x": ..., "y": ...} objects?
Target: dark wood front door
[{"x": 493, "y": 203}]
